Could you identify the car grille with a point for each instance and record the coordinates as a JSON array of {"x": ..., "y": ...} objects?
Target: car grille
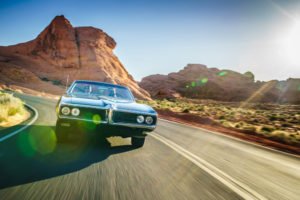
[
  {"x": 125, "y": 117},
  {"x": 93, "y": 114}
]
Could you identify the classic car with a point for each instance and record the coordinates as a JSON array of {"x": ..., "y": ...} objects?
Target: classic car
[{"x": 106, "y": 109}]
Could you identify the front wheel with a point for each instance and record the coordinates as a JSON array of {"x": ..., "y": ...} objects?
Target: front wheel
[{"x": 138, "y": 141}]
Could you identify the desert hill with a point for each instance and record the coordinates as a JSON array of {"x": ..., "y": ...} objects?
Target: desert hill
[
  {"x": 62, "y": 51},
  {"x": 199, "y": 81}
]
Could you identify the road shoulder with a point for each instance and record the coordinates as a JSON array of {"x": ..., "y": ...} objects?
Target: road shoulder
[{"x": 250, "y": 138}]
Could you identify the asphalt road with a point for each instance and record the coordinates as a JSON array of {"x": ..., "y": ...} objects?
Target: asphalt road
[{"x": 177, "y": 162}]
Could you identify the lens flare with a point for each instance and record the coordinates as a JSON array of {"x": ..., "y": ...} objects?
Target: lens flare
[
  {"x": 96, "y": 119},
  {"x": 204, "y": 80},
  {"x": 88, "y": 126},
  {"x": 37, "y": 140},
  {"x": 42, "y": 139},
  {"x": 258, "y": 93},
  {"x": 25, "y": 146},
  {"x": 222, "y": 73}
]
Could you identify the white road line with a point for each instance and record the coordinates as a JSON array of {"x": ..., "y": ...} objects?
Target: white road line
[
  {"x": 241, "y": 189},
  {"x": 231, "y": 137},
  {"x": 36, "y": 114}
]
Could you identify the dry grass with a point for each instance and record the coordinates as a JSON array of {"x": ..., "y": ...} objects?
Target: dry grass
[
  {"x": 277, "y": 122},
  {"x": 12, "y": 110}
]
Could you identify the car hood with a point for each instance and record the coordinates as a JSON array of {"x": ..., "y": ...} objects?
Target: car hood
[
  {"x": 83, "y": 101},
  {"x": 123, "y": 106},
  {"x": 133, "y": 107}
]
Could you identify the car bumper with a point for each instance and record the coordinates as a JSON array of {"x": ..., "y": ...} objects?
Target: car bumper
[{"x": 70, "y": 122}]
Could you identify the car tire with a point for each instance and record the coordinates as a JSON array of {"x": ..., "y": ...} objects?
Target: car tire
[
  {"x": 61, "y": 133},
  {"x": 138, "y": 141}
]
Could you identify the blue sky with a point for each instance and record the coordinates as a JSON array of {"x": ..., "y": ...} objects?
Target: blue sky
[{"x": 162, "y": 36}]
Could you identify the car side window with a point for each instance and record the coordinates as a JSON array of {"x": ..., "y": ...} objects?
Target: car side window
[
  {"x": 122, "y": 94},
  {"x": 81, "y": 88}
]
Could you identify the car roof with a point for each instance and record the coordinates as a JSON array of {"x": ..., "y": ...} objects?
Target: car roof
[{"x": 99, "y": 82}]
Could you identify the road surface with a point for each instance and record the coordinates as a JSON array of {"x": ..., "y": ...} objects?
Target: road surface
[{"x": 177, "y": 162}]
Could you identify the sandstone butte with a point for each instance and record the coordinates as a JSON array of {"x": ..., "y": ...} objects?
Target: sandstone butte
[
  {"x": 61, "y": 51},
  {"x": 200, "y": 82}
]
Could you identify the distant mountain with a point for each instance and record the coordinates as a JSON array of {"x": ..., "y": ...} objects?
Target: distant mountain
[
  {"x": 62, "y": 51},
  {"x": 198, "y": 81}
]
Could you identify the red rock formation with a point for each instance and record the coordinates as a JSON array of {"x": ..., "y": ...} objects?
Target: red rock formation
[
  {"x": 62, "y": 51},
  {"x": 198, "y": 81}
]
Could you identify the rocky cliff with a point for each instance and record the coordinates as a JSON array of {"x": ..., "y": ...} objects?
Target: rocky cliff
[
  {"x": 199, "y": 81},
  {"x": 62, "y": 51}
]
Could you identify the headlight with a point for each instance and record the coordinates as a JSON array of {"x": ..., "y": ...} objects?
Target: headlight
[
  {"x": 65, "y": 110},
  {"x": 75, "y": 111},
  {"x": 140, "y": 119},
  {"x": 149, "y": 120}
]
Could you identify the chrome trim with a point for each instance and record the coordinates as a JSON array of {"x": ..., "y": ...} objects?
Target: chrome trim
[
  {"x": 85, "y": 106},
  {"x": 80, "y": 119},
  {"x": 109, "y": 117},
  {"x": 71, "y": 88},
  {"x": 152, "y": 127},
  {"x": 106, "y": 108},
  {"x": 136, "y": 112}
]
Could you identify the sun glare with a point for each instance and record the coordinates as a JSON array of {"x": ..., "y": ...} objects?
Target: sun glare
[{"x": 292, "y": 44}]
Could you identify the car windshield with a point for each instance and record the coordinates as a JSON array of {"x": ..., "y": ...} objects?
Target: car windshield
[{"x": 101, "y": 91}]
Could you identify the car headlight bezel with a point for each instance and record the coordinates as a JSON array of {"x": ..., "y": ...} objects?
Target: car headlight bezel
[
  {"x": 140, "y": 119},
  {"x": 65, "y": 110},
  {"x": 75, "y": 112},
  {"x": 149, "y": 120}
]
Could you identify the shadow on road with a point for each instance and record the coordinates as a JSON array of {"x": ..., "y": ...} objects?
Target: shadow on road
[{"x": 35, "y": 155}]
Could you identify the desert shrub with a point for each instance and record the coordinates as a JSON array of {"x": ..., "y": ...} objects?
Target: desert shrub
[
  {"x": 249, "y": 128},
  {"x": 9, "y": 106},
  {"x": 286, "y": 125},
  {"x": 44, "y": 79},
  {"x": 281, "y": 117},
  {"x": 285, "y": 136},
  {"x": 237, "y": 125},
  {"x": 254, "y": 120},
  {"x": 199, "y": 108},
  {"x": 279, "y": 134},
  {"x": 221, "y": 117},
  {"x": 186, "y": 110},
  {"x": 266, "y": 129},
  {"x": 250, "y": 75},
  {"x": 56, "y": 82},
  {"x": 228, "y": 124},
  {"x": 4, "y": 98},
  {"x": 272, "y": 117}
]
